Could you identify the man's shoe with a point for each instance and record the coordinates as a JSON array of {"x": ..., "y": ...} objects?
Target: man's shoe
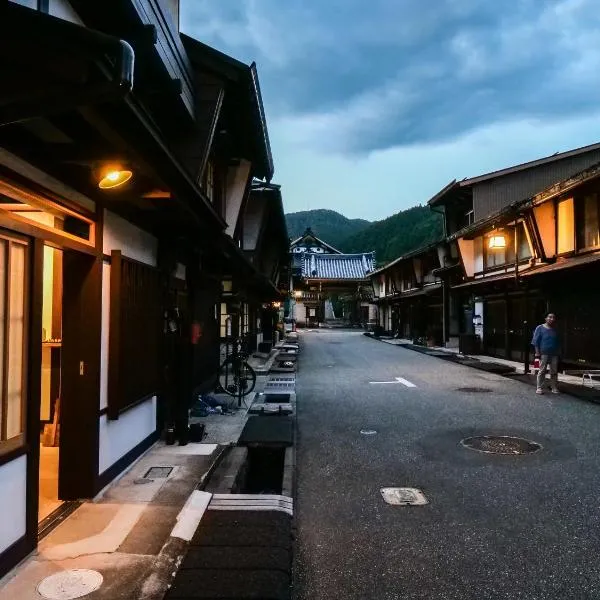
[
  {"x": 555, "y": 391},
  {"x": 539, "y": 391}
]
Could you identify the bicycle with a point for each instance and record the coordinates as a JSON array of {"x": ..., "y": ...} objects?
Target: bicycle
[{"x": 236, "y": 377}]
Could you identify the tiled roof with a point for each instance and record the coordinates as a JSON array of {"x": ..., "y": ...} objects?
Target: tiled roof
[{"x": 338, "y": 266}]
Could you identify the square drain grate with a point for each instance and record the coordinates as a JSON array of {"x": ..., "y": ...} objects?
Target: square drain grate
[
  {"x": 158, "y": 472},
  {"x": 404, "y": 496},
  {"x": 280, "y": 385}
]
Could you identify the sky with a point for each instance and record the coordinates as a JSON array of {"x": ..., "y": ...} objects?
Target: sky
[{"x": 373, "y": 106}]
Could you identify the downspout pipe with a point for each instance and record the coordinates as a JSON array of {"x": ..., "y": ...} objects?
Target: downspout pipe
[{"x": 115, "y": 57}]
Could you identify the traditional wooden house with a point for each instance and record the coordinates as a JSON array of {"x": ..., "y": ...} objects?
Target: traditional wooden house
[
  {"x": 508, "y": 243},
  {"x": 409, "y": 295},
  {"x": 127, "y": 153},
  {"x": 327, "y": 285}
]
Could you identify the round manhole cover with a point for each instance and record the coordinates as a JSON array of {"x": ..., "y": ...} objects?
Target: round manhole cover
[
  {"x": 67, "y": 585},
  {"x": 501, "y": 444},
  {"x": 473, "y": 390}
]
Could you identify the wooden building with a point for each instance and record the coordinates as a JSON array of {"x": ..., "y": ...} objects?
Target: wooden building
[
  {"x": 327, "y": 285},
  {"x": 527, "y": 239},
  {"x": 409, "y": 295},
  {"x": 127, "y": 156}
]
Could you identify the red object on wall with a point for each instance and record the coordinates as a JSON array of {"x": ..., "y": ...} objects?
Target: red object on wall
[{"x": 196, "y": 333}]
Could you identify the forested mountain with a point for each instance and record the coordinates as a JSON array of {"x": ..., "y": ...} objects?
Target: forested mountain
[
  {"x": 328, "y": 225},
  {"x": 390, "y": 238}
]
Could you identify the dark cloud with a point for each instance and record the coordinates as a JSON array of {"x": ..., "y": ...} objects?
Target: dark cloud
[{"x": 395, "y": 73}]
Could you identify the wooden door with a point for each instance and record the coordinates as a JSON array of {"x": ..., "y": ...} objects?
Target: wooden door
[
  {"x": 494, "y": 328},
  {"x": 80, "y": 398}
]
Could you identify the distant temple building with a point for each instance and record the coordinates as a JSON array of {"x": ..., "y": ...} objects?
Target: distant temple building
[{"x": 328, "y": 286}]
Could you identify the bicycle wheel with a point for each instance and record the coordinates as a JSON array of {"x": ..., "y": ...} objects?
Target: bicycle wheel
[{"x": 236, "y": 378}]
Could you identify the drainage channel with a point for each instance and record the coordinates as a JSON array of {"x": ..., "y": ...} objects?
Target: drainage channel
[{"x": 247, "y": 528}]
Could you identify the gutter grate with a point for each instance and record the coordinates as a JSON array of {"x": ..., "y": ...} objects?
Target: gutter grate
[{"x": 158, "y": 472}]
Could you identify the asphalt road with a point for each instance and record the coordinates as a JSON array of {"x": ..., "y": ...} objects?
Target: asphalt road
[{"x": 514, "y": 527}]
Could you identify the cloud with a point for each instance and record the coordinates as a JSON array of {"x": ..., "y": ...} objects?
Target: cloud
[
  {"x": 374, "y": 106},
  {"x": 377, "y": 185},
  {"x": 402, "y": 72}
]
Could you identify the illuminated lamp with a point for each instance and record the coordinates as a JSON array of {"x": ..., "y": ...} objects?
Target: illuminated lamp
[
  {"x": 497, "y": 242},
  {"x": 114, "y": 176}
]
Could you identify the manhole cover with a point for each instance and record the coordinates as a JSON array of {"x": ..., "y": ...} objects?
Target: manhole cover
[
  {"x": 404, "y": 496},
  {"x": 473, "y": 390},
  {"x": 66, "y": 585},
  {"x": 158, "y": 472},
  {"x": 368, "y": 432},
  {"x": 501, "y": 444}
]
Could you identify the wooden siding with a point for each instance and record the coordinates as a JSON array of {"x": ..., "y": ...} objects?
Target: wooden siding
[
  {"x": 493, "y": 195},
  {"x": 169, "y": 47},
  {"x": 135, "y": 321}
]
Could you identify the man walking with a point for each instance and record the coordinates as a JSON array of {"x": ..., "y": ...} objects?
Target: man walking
[{"x": 547, "y": 348}]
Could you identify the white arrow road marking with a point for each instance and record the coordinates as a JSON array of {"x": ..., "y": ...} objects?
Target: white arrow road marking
[{"x": 397, "y": 380}]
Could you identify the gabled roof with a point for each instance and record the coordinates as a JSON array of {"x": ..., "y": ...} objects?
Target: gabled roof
[
  {"x": 309, "y": 233},
  {"x": 338, "y": 266},
  {"x": 246, "y": 76},
  {"x": 468, "y": 182},
  {"x": 556, "y": 189},
  {"x": 412, "y": 254}
]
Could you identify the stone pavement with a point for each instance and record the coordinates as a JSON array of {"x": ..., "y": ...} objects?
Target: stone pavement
[
  {"x": 136, "y": 532},
  {"x": 125, "y": 534}
]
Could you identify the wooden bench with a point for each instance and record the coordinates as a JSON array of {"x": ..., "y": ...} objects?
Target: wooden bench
[{"x": 586, "y": 374}]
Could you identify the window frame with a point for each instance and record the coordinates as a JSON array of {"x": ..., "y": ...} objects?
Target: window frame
[
  {"x": 128, "y": 388},
  {"x": 16, "y": 443},
  {"x": 579, "y": 220},
  {"x": 519, "y": 229}
]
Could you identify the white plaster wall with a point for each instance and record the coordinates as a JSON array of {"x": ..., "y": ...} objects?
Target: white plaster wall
[
  {"x": 237, "y": 177},
  {"x": 253, "y": 219},
  {"x": 133, "y": 242},
  {"x": 13, "y": 494},
  {"x": 136, "y": 424},
  {"x": 63, "y": 10},
  {"x": 120, "y": 436},
  {"x": 544, "y": 217},
  {"x": 478, "y": 254},
  {"x": 300, "y": 313},
  {"x": 467, "y": 256},
  {"x": 180, "y": 272}
]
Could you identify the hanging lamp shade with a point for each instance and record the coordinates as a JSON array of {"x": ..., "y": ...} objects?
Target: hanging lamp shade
[{"x": 114, "y": 177}]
